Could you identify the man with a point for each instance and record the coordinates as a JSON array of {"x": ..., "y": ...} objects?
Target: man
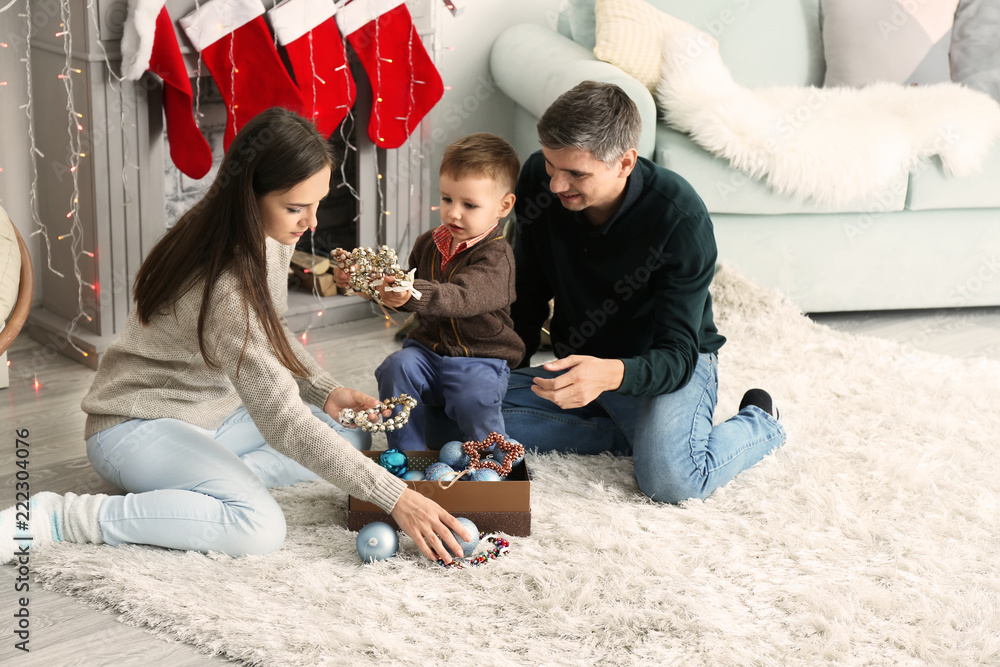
[{"x": 627, "y": 250}]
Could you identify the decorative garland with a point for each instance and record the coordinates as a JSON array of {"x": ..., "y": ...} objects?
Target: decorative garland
[
  {"x": 501, "y": 547},
  {"x": 473, "y": 448},
  {"x": 350, "y": 417},
  {"x": 366, "y": 269}
]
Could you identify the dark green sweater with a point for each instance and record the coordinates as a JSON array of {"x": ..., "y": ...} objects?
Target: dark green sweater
[{"x": 634, "y": 288}]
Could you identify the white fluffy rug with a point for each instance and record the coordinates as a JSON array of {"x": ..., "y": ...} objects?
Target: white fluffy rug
[
  {"x": 870, "y": 538},
  {"x": 834, "y": 146}
]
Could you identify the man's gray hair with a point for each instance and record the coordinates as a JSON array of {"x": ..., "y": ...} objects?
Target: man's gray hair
[{"x": 592, "y": 116}]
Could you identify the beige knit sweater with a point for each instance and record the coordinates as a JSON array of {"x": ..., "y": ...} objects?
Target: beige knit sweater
[{"x": 157, "y": 371}]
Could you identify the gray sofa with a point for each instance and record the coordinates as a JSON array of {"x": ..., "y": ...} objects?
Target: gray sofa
[{"x": 929, "y": 241}]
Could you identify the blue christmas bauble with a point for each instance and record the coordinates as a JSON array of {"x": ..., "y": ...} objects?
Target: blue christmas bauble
[
  {"x": 485, "y": 475},
  {"x": 467, "y": 547},
  {"x": 451, "y": 454},
  {"x": 498, "y": 454},
  {"x": 394, "y": 461},
  {"x": 413, "y": 475},
  {"x": 377, "y": 541},
  {"x": 436, "y": 471}
]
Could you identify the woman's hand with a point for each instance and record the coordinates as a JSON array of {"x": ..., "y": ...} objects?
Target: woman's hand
[
  {"x": 428, "y": 524},
  {"x": 342, "y": 397}
]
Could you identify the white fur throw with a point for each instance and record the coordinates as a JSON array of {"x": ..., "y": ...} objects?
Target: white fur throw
[{"x": 833, "y": 146}]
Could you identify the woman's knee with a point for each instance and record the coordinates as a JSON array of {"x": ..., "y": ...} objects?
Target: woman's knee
[{"x": 255, "y": 531}]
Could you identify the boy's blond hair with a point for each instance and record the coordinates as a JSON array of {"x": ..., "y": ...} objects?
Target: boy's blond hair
[{"x": 482, "y": 155}]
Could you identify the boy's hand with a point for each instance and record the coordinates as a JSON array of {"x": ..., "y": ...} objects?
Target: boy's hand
[
  {"x": 585, "y": 379},
  {"x": 341, "y": 277},
  {"x": 392, "y": 299}
]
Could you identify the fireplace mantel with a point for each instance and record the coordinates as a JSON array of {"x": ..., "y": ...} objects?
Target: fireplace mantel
[{"x": 121, "y": 207}]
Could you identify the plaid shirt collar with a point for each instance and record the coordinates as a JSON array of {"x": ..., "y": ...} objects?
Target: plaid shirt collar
[{"x": 442, "y": 239}]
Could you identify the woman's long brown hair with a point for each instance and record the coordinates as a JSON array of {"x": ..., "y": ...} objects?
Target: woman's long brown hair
[{"x": 224, "y": 231}]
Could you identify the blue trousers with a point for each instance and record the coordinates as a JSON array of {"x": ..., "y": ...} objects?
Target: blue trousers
[
  {"x": 678, "y": 453},
  {"x": 470, "y": 389},
  {"x": 195, "y": 489}
]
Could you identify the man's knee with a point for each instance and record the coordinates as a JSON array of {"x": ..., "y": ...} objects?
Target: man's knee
[{"x": 667, "y": 488}]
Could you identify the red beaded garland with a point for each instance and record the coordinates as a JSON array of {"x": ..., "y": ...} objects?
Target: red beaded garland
[
  {"x": 500, "y": 548},
  {"x": 473, "y": 449}
]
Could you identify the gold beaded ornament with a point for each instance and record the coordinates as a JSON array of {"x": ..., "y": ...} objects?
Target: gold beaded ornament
[
  {"x": 366, "y": 268},
  {"x": 473, "y": 449},
  {"x": 350, "y": 417}
]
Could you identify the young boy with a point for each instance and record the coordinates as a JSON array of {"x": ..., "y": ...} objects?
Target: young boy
[{"x": 460, "y": 354}]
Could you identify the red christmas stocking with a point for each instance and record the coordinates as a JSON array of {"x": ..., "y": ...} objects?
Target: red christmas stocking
[
  {"x": 236, "y": 46},
  {"x": 150, "y": 44},
  {"x": 405, "y": 83},
  {"x": 309, "y": 33}
]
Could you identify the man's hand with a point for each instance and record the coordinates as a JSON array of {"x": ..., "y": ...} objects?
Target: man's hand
[
  {"x": 342, "y": 397},
  {"x": 392, "y": 299},
  {"x": 584, "y": 380}
]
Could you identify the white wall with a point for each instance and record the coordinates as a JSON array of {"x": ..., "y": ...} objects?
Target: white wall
[
  {"x": 15, "y": 179},
  {"x": 474, "y": 104}
]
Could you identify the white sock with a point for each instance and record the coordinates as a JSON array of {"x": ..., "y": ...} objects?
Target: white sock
[{"x": 52, "y": 518}]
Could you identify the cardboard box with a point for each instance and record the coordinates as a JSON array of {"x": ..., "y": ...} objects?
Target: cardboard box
[{"x": 503, "y": 506}]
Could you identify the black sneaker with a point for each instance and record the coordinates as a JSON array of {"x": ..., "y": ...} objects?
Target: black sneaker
[{"x": 762, "y": 400}]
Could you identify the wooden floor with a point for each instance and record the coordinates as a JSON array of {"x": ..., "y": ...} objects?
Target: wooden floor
[{"x": 66, "y": 632}]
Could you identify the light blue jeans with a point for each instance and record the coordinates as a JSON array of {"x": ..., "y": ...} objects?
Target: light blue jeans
[
  {"x": 195, "y": 489},
  {"x": 678, "y": 453}
]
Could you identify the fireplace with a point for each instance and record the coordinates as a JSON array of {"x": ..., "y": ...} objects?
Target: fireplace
[{"x": 130, "y": 193}]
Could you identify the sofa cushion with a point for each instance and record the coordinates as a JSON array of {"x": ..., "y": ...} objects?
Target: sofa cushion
[
  {"x": 630, "y": 35},
  {"x": 931, "y": 188},
  {"x": 772, "y": 43},
  {"x": 727, "y": 190},
  {"x": 582, "y": 22},
  {"x": 975, "y": 47},
  {"x": 899, "y": 41}
]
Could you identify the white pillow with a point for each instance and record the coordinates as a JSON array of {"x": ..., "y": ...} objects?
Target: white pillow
[
  {"x": 630, "y": 35},
  {"x": 10, "y": 266}
]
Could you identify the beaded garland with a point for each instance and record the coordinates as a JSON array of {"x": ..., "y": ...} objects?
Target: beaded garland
[
  {"x": 473, "y": 449},
  {"x": 347, "y": 416},
  {"x": 366, "y": 268},
  {"x": 501, "y": 547}
]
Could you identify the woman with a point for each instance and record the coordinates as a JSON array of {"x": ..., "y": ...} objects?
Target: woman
[{"x": 207, "y": 399}]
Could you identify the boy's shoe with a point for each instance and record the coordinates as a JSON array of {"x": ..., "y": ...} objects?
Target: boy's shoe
[
  {"x": 51, "y": 518},
  {"x": 762, "y": 400}
]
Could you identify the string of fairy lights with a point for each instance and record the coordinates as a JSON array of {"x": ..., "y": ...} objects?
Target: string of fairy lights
[{"x": 76, "y": 133}]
